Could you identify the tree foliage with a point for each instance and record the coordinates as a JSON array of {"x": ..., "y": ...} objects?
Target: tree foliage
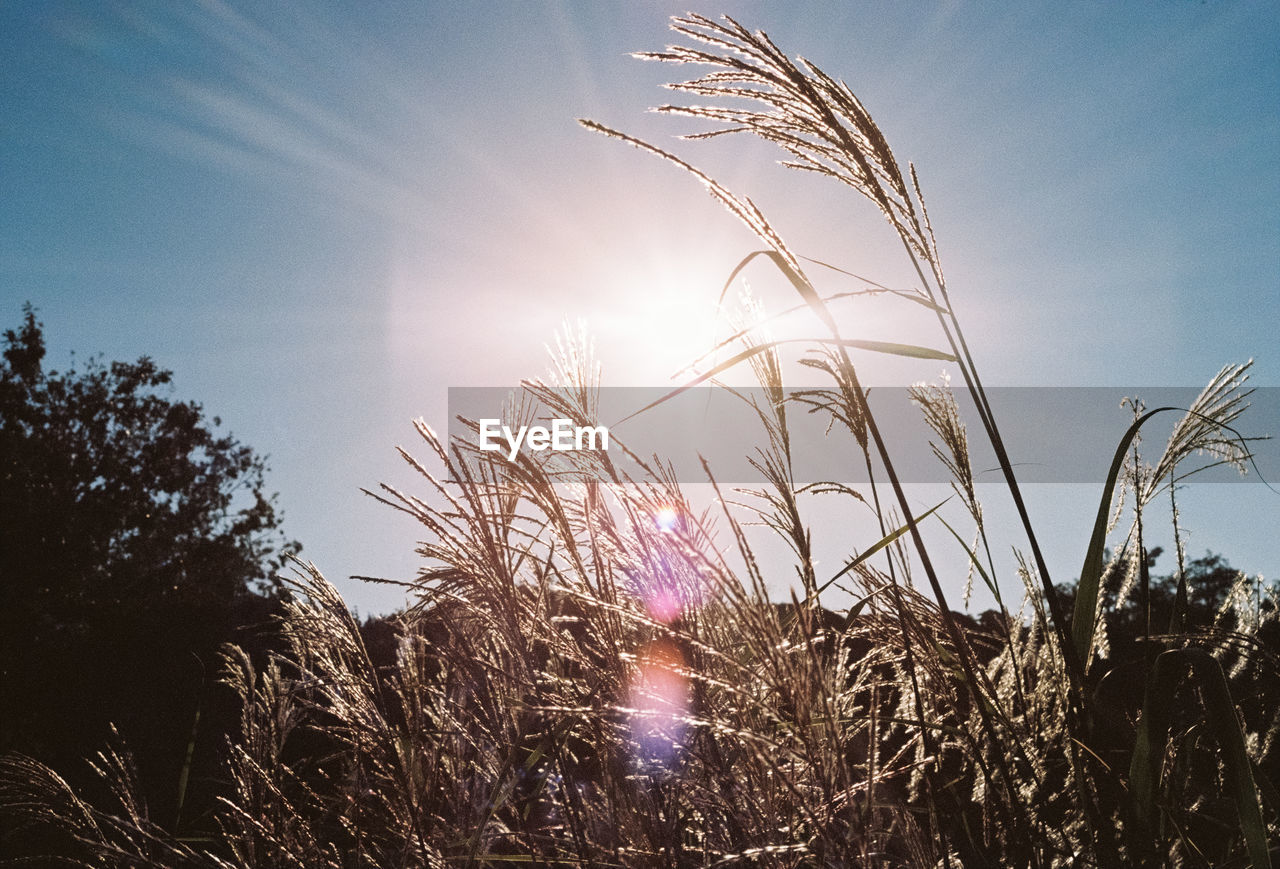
[{"x": 134, "y": 538}]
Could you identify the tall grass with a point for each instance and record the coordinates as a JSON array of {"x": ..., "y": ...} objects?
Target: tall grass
[{"x": 582, "y": 683}]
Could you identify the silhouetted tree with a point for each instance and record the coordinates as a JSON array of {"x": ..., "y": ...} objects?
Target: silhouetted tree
[{"x": 134, "y": 539}]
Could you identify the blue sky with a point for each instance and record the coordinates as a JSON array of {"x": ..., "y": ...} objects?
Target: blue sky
[{"x": 323, "y": 215}]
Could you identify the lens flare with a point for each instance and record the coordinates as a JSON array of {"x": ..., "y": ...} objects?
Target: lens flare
[
  {"x": 659, "y": 699},
  {"x": 666, "y": 518},
  {"x": 663, "y": 604}
]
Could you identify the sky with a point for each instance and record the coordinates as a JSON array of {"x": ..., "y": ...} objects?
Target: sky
[{"x": 321, "y": 216}]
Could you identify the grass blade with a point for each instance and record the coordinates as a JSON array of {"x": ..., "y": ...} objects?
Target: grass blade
[
  {"x": 881, "y": 544},
  {"x": 887, "y": 347},
  {"x": 1220, "y": 714},
  {"x": 1082, "y": 622}
]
